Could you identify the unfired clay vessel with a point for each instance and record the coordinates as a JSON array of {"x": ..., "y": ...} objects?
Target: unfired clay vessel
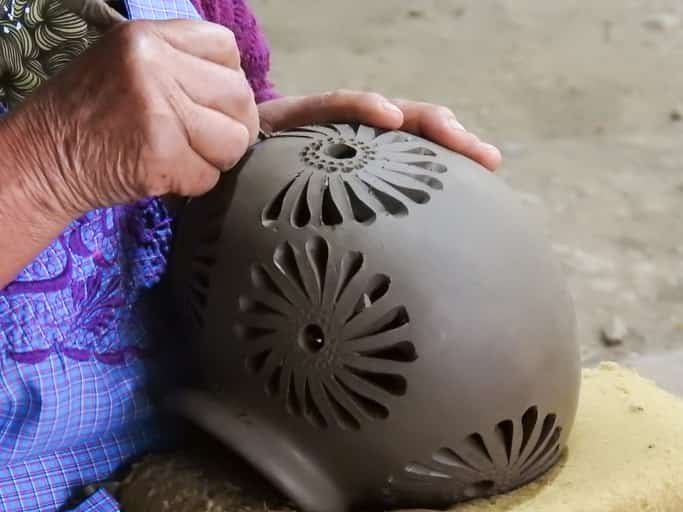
[{"x": 380, "y": 323}]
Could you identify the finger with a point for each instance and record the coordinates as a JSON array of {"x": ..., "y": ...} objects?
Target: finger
[
  {"x": 202, "y": 39},
  {"x": 440, "y": 125},
  {"x": 333, "y": 107},
  {"x": 218, "y": 88},
  {"x": 215, "y": 143},
  {"x": 193, "y": 176},
  {"x": 487, "y": 155},
  {"x": 184, "y": 172},
  {"x": 217, "y": 138}
]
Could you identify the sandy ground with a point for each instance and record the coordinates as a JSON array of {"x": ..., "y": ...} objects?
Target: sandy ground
[{"x": 585, "y": 100}]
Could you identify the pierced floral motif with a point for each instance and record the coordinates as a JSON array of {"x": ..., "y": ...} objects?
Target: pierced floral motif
[
  {"x": 325, "y": 335},
  {"x": 484, "y": 464},
  {"x": 354, "y": 173}
]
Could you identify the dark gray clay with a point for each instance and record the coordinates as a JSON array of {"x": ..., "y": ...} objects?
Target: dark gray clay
[{"x": 379, "y": 322}]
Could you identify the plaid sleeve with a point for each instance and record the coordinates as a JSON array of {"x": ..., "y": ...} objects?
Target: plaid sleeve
[
  {"x": 99, "y": 501},
  {"x": 155, "y": 10}
]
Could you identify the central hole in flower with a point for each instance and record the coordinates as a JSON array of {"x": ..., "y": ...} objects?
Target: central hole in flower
[
  {"x": 312, "y": 338},
  {"x": 340, "y": 151}
]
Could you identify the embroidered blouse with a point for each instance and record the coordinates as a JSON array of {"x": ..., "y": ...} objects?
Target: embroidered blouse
[{"x": 78, "y": 326}]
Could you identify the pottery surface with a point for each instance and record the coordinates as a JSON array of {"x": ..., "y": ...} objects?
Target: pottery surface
[{"x": 379, "y": 322}]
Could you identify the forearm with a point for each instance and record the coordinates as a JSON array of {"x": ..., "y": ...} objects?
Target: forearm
[{"x": 29, "y": 218}]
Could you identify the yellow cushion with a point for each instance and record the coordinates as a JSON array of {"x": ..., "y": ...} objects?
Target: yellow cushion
[{"x": 625, "y": 453}]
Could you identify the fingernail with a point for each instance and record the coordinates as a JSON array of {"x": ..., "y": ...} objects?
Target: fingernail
[
  {"x": 489, "y": 147},
  {"x": 387, "y": 105},
  {"x": 454, "y": 124}
]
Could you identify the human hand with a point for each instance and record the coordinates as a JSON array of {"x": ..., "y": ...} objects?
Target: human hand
[
  {"x": 433, "y": 122},
  {"x": 154, "y": 108}
]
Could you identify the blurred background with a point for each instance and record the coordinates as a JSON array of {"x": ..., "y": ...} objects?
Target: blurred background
[{"x": 585, "y": 100}]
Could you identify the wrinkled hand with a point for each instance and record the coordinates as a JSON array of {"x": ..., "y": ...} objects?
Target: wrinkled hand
[
  {"x": 154, "y": 108},
  {"x": 433, "y": 122}
]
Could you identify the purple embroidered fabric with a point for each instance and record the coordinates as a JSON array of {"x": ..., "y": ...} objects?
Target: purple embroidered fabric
[
  {"x": 77, "y": 299},
  {"x": 75, "y": 328}
]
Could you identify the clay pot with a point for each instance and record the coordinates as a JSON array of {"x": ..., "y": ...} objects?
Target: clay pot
[{"x": 379, "y": 322}]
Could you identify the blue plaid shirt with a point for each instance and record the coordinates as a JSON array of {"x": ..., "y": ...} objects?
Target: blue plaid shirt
[{"x": 74, "y": 402}]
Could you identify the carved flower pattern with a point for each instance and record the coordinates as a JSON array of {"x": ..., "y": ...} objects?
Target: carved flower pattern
[
  {"x": 484, "y": 464},
  {"x": 354, "y": 173},
  {"x": 325, "y": 335}
]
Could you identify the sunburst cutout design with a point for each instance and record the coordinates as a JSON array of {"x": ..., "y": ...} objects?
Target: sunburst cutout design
[
  {"x": 484, "y": 464},
  {"x": 354, "y": 173},
  {"x": 203, "y": 262},
  {"x": 325, "y": 335}
]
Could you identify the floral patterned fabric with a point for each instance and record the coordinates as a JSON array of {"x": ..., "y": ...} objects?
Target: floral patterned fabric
[
  {"x": 37, "y": 39},
  {"x": 78, "y": 298}
]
